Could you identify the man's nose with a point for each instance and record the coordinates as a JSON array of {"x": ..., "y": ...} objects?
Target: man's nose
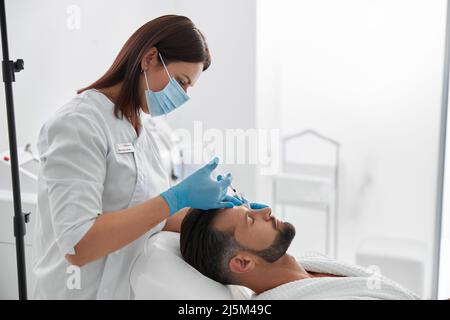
[{"x": 263, "y": 213}]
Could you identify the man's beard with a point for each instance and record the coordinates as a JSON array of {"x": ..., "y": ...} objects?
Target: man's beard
[{"x": 279, "y": 246}]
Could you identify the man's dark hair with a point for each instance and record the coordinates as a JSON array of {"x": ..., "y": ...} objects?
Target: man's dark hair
[
  {"x": 206, "y": 248},
  {"x": 209, "y": 250}
]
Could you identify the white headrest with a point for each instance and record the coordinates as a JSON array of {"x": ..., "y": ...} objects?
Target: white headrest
[{"x": 161, "y": 273}]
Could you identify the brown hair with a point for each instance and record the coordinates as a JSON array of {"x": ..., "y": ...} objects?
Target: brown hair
[{"x": 175, "y": 37}]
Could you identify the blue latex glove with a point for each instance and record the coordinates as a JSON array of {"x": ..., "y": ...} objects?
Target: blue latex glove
[
  {"x": 227, "y": 197},
  {"x": 237, "y": 202},
  {"x": 232, "y": 199},
  {"x": 257, "y": 206},
  {"x": 199, "y": 191}
]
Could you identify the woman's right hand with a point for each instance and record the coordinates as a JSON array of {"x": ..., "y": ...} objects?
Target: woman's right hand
[{"x": 199, "y": 191}]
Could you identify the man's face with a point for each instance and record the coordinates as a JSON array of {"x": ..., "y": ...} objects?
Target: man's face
[{"x": 257, "y": 230}]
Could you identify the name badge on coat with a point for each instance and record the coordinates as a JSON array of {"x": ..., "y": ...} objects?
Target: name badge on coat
[{"x": 124, "y": 147}]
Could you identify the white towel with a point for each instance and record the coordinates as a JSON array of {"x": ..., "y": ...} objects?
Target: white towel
[{"x": 357, "y": 283}]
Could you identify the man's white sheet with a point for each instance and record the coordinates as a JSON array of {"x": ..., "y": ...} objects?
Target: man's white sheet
[{"x": 357, "y": 283}]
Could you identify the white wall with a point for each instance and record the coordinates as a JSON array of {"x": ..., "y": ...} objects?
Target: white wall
[{"x": 369, "y": 74}]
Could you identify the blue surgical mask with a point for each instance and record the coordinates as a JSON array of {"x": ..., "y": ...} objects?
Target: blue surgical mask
[{"x": 166, "y": 100}]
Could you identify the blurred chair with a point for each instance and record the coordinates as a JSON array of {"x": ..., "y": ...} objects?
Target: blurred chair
[
  {"x": 309, "y": 179},
  {"x": 402, "y": 260}
]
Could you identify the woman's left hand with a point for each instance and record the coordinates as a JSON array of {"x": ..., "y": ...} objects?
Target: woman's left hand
[{"x": 257, "y": 206}]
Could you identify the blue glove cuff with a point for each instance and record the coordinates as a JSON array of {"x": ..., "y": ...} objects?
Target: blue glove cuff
[{"x": 172, "y": 201}]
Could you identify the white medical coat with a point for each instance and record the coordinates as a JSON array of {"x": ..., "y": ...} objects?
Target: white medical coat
[{"x": 83, "y": 175}]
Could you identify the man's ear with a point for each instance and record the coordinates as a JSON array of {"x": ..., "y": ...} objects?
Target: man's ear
[
  {"x": 150, "y": 59},
  {"x": 241, "y": 263}
]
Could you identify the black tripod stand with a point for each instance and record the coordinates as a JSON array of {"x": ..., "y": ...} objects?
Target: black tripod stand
[{"x": 9, "y": 69}]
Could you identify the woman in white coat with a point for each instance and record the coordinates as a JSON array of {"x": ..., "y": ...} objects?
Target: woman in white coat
[{"x": 102, "y": 188}]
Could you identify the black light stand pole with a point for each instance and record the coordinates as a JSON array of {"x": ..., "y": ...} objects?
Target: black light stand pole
[{"x": 9, "y": 69}]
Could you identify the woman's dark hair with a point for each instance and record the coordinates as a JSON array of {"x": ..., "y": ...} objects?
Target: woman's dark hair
[
  {"x": 175, "y": 37},
  {"x": 206, "y": 249}
]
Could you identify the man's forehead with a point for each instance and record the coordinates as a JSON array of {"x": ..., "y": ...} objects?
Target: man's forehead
[{"x": 226, "y": 220}]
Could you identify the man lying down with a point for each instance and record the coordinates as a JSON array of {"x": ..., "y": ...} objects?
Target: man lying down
[{"x": 248, "y": 247}]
